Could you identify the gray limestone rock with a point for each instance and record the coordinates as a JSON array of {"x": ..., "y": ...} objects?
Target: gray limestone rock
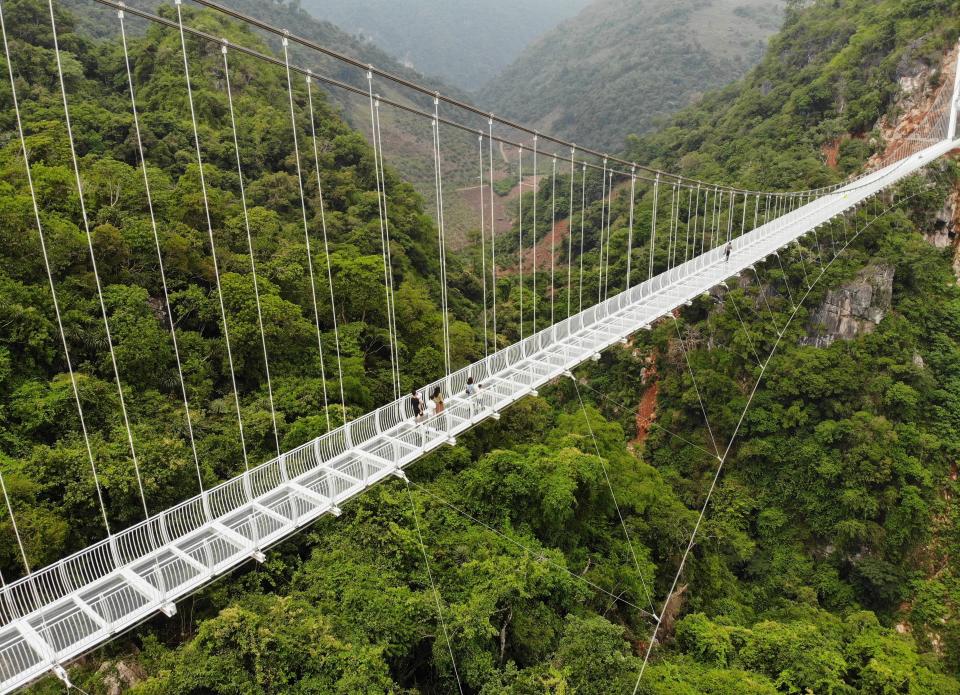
[{"x": 853, "y": 309}]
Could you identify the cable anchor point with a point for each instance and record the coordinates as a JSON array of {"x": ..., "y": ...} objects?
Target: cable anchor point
[{"x": 61, "y": 673}]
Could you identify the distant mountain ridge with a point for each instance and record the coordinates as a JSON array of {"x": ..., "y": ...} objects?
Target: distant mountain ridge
[
  {"x": 460, "y": 41},
  {"x": 620, "y": 65}
]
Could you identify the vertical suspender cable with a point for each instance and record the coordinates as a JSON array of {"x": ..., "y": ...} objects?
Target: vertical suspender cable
[
  {"x": 493, "y": 236},
  {"x": 733, "y": 204},
  {"x": 686, "y": 235},
  {"x": 536, "y": 194},
  {"x": 520, "y": 219},
  {"x": 306, "y": 239},
  {"x": 676, "y": 225},
  {"x": 653, "y": 224},
  {"x": 483, "y": 251},
  {"x": 384, "y": 238},
  {"x": 93, "y": 259},
  {"x": 391, "y": 295},
  {"x": 156, "y": 240},
  {"x": 23, "y": 555},
  {"x": 717, "y": 209},
  {"x": 583, "y": 214},
  {"x": 743, "y": 222},
  {"x": 213, "y": 247},
  {"x": 53, "y": 290},
  {"x": 326, "y": 255},
  {"x": 573, "y": 158},
  {"x": 703, "y": 223},
  {"x": 553, "y": 239},
  {"x": 253, "y": 263},
  {"x": 673, "y": 226},
  {"x": 696, "y": 222},
  {"x": 603, "y": 207},
  {"x": 606, "y": 274},
  {"x": 442, "y": 238},
  {"x": 633, "y": 190}
]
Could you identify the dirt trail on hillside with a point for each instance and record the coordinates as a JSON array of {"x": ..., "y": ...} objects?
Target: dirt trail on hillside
[{"x": 646, "y": 413}]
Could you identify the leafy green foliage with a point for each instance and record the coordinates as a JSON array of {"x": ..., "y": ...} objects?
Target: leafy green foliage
[
  {"x": 620, "y": 66},
  {"x": 507, "y": 555}
]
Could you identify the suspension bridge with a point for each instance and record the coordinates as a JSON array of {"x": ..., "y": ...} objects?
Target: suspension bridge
[{"x": 56, "y": 613}]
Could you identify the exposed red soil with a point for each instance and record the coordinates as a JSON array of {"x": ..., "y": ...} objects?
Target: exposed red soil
[
  {"x": 831, "y": 153},
  {"x": 503, "y": 221},
  {"x": 646, "y": 412},
  {"x": 916, "y": 112}
]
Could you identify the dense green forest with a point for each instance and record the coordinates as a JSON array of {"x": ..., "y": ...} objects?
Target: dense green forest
[
  {"x": 621, "y": 66},
  {"x": 832, "y": 525},
  {"x": 42, "y": 449}
]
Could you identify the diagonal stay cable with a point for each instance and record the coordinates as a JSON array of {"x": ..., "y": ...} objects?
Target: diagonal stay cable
[
  {"x": 433, "y": 586},
  {"x": 786, "y": 280},
  {"x": 650, "y": 422},
  {"x": 623, "y": 524},
  {"x": 766, "y": 301},
  {"x": 746, "y": 332},
  {"x": 733, "y": 437},
  {"x": 538, "y": 554},
  {"x": 696, "y": 386}
]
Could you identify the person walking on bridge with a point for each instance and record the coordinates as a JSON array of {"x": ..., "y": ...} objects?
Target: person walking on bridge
[
  {"x": 416, "y": 404},
  {"x": 726, "y": 252}
]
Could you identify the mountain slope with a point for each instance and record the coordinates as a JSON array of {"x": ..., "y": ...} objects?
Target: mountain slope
[
  {"x": 818, "y": 567},
  {"x": 620, "y": 64},
  {"x": 460, "y": 41},
  {"x": 100, "y": 22}
]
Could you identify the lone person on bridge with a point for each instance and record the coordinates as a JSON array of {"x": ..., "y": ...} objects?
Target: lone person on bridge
[
  {"x": 726, "y": 252},
  {"x": 471, "y": 392},
  {"x": 416, "y": 404},
  {"x": 437, "y": 398}
]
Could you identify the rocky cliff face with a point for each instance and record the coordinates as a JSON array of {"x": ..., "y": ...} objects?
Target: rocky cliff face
[
  {"x": 853, "y": 309},
  {"x": 946, "y": 228},
  {"x": 918, "y": 93}
]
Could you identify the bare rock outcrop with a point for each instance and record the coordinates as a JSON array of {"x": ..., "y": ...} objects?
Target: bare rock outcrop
[{"x": 853, "y": 309}]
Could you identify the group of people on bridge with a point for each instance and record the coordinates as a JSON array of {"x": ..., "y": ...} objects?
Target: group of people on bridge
[{"x": 421, "y": 408}]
